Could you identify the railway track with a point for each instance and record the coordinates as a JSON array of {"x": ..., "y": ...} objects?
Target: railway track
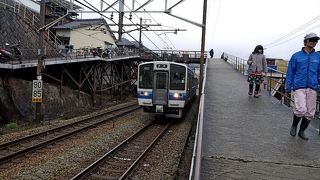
[
  {"x": 18, "y": 148},
  {"x": 121, "y": 160}
]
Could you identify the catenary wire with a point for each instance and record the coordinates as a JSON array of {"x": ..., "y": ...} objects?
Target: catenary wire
[
  {"x": 97, "y": 11},
  {"x": 160, "y": 28},
  {"x": 293, "y": 37},
  {"x": 277, "y": 41}
]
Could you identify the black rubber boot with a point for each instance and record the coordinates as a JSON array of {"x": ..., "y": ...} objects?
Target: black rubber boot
[
  {"x": 250, "y": 89},
  {"x": 256, "y": 91},
  {"x": 257, "y": 88},
  {"x": 295, "y": 122},
  {"x": 304, "y": 125}
]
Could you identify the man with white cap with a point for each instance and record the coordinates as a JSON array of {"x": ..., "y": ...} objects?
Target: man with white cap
[{"x": 303, "y": 75}]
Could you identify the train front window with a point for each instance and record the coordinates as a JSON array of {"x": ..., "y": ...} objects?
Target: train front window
[
  {"x": 145, "y": 76},
  {"x": 161, "y": 81},
  {"x": 177, "y": 77}
]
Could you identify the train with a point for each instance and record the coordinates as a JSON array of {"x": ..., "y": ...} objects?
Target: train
[{"x": 165, "y": 88}]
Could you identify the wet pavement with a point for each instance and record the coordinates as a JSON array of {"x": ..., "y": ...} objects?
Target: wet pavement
[{"x": 248, "y": 138}]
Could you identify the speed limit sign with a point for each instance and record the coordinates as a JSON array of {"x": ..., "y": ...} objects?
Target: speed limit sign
[{"x": 37, "y": 91}]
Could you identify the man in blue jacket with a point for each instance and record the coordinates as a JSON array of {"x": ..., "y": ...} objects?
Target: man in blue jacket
[{"x": 303, "y": 75}]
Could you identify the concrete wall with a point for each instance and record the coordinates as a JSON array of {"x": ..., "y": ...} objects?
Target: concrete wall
[
  {"x": 15, "y": 29},
  {"x": 16, "y": 105}
]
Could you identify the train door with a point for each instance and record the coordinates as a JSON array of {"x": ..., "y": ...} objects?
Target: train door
[{"x": 160, "y": 90}]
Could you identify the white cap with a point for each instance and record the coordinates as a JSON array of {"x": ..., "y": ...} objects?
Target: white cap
[{"x": 311, "y": 35}]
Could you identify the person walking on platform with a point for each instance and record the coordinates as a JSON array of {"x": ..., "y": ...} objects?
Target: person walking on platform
[
  {"x": 211, "y": 53},
  {"x": 257, "y": 68},
  {"x": 303, "y": 75}
]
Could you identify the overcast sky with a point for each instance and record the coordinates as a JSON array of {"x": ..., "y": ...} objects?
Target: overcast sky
[{"x": 233, "y": 26}]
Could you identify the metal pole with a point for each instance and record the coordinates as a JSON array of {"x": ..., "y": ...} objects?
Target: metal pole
[
  {"x": 198, "y": 162},
  {"x": 121, "y": 13},
  {"x": 39, "y": 117},
  {"x": 140, "y": 45},
  {"x": 204, "y": 19},
  {"x": 101, "y": 8}
]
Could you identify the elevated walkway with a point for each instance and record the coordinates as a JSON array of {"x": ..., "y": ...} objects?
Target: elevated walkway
[
  {"x": 248, "y": 138},
  {"x": 64, "y": 60}
]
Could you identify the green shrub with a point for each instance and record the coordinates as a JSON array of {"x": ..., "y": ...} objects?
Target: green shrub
[{"x": 11, "y": 125}]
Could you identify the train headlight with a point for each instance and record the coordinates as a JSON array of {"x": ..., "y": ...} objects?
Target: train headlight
[
  {"x": 145, "y": 93},
  {"x": 175, "y": 95}
]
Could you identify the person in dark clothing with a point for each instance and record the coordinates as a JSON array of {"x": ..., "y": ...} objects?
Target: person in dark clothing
[
  {"x": 211, "y": 53},
  {"x": 303, "y": 75}
]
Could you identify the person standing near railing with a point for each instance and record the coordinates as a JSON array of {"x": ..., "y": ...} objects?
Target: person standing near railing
[
  {"x": 257, "y": 69},
  {"x": 303, "y": 75}
]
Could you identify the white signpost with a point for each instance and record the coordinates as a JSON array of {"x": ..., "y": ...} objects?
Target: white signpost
[{"x": 37, "y": 91}]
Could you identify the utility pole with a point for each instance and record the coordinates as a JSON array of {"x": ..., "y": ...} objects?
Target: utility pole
[
  {"x": 204, "y": 20},
  {"x": 198, "y": 158},
  {"x": 121, "y": 14},
  {"x": 140, "y": 33},
  {"x": 39, "y": 117}
]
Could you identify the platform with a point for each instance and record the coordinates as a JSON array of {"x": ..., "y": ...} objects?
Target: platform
[{"x": 248, "y": 138}]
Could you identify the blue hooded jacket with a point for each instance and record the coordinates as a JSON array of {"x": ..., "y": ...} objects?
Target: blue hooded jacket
[{"x": 303, "y": 71}]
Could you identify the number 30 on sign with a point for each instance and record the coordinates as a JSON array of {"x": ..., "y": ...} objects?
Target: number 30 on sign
[{"x": 37, "y": 91}]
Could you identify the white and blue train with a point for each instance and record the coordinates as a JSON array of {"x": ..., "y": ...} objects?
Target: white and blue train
[{"x": 165, "y": 88}]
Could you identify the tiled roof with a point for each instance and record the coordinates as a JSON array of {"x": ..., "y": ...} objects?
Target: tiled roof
[{"x": 81, "y": 23}]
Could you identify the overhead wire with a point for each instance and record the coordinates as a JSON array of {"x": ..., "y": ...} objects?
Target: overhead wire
[
  {"x": 283, "y": 38},
  {"x": 160, "y": 27},
  {"x": 142, "y": 31},
  {"x": 133, "y": 24},
  {"x": 293, "y": 37},
  {"x": 170, "y": 41},
  {"x": 149, "y": 27},
  {"x": 216, "y": 19},
  {"x": 94, "y": 9}
]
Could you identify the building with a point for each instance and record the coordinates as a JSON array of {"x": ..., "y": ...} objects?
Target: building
[
  {"x": 277, "y": 64},
  {"x": 83, "y": 33}
]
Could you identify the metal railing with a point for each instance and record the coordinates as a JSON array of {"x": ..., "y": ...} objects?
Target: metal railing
[
  {"x": 179, "y": 54},
  {"x": 195, "y": 167},
  {"x": 83, "y": 53}
]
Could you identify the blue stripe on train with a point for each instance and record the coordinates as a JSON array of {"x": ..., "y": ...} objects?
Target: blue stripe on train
[
  {"x": 150, "y": 95},
  {"x": 139, "y": 95},
  {"x": 183, "y": 97}
]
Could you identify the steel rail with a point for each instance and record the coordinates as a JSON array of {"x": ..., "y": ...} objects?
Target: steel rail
[
  {"x": 51, "y": 131},
  {"x": 22, "y": 152},
  {"x": 92, "y": 167}
]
